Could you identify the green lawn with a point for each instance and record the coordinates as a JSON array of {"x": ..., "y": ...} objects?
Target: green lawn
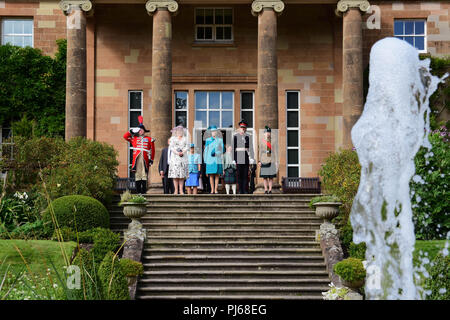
[
  {"x": 432, "y": 247},
  {"x": 36, "y": 253}
]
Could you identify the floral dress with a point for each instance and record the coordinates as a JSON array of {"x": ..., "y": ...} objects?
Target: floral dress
[{"x": 178, "y": 166}]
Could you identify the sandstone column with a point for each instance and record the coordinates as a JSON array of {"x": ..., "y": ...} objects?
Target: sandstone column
[
  {"x": 352, "y": 73},
  {"x": 76, "y": 66},
  {"x": 267, "y": 89},
  {"x": 161, "y": 109}
]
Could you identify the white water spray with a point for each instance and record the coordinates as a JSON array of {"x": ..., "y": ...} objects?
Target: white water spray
[{"x": 390, "y": 131}]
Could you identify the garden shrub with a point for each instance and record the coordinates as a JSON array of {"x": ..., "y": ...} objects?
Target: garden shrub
[
  {"x": 112, "y": 279},
  {"x": 30, "y": 230},
  {"x": 80, "y": 166},
  {"x": 105, "y": 241},
  {"x": 350, "y": 269},
  {"x": 439, "y": 281},
  {"x": 90, "y": 285},
  {"x": 430, "y": 188},
  {"x": 357, "y": 250},
  {"x": 131, "y": 268},
  {"x": 17, "y": 209},
  {"x": 77, "y": 212},
  {"x": 86, "y": 168},
  {"x": 340, "y": 176}
]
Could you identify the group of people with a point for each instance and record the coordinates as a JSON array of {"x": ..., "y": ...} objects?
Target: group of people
[{"x": 181, "y": 167}]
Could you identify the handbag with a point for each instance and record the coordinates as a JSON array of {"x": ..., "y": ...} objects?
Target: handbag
[{"x": 200, "y": 184}]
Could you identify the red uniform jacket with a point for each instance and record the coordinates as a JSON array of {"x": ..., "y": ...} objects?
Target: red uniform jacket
[{"x": 141, "y": 144}]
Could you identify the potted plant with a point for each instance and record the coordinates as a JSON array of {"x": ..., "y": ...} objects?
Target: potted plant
[
  {"x": 352, "y": 272},
  {"x": 134, "y": 206},
  {"x": 326, "y": 207}
]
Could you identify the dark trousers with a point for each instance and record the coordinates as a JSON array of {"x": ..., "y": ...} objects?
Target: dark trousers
[
  {"x": 141, "y": 186},
  {"x": 168, "y": 184},
  {"x": 242, "y": 171}
]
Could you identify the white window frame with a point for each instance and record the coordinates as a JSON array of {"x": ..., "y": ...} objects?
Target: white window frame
[
  {"x": 252, "y": 129},
  {"x": 214, "y": 25},
  {"x": 129, "y": 122},
  {"x": 175, "y": 110},
  {"x": 425, "y": 47},
  {"x": 3, "y": 35},
  {"x": 220, "y": 109},
  {"x": 293, "y": 128}
]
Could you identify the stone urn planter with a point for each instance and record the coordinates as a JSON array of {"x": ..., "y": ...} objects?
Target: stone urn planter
[
  {"x": 355, "y": 285},
  {"x": 327, "y": 210},
  {"x": 133, "y": 210},
  {"x": 134, "y": 207}
]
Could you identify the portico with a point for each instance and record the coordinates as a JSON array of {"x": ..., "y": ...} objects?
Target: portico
[{"x": 282, "y": 69}]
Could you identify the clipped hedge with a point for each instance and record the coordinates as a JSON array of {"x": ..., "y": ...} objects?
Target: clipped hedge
[
  {"x": 439, "y": 281},
  {"x": 77, "y": 212},
  {"x": 131, "y": 268},
  {"x": 112, "y": 279},
  {"x": 350, "y": 269},
  {"x": 105, "y": 241}
]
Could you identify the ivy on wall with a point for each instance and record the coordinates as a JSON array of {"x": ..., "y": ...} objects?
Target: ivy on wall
[{"x": 33, "y": 85}]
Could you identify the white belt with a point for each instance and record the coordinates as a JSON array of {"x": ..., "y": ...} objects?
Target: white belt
[
  {"x": 241, "y": 149},
  {"x": 141, "y": 149}
]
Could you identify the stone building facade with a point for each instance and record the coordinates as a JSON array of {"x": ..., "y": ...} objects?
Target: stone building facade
[{"x": 295, "y": 65}]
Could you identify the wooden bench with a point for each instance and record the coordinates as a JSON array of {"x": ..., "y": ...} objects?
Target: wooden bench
[{"x": 300, "y": 185}]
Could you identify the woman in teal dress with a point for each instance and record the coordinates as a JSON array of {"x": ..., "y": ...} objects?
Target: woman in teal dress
[{"x": 213, "y": 157}]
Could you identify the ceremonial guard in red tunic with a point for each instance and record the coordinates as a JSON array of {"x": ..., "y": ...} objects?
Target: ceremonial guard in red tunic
[{"x": 143, "y": 154}]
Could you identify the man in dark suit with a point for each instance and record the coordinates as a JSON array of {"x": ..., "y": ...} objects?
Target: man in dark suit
[
  {"x": 163, "y": 168},
  {"x": 243, "y": 156}
]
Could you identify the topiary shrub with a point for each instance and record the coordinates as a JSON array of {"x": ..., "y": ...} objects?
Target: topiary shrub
[
  {"x": 76, "y": 212},
  {"x": 430, "y": 188},
  {"x": 131, "y": 268},
  {"x": 112, "y": 279},
  {"x": 105, "y": 241},
  {"x": 439, "y": 281},
  {"x": 350, "y": 269},
  {"x": 340, "y": 176}
]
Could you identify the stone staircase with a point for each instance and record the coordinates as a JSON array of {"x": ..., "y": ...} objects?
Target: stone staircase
[{"x": 233, "y": 247}]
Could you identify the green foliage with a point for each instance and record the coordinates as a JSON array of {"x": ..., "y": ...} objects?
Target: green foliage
[
  {"x": 431, "y": 200},
  {"x": 350, "y": 269},
  {"x": 17, "y": 209},
  {"x": 77, "y": 212},
  {"x": 105, "y": 241},
  {"x": 340, "y": 176},
  {"x": 86, "y": 168},
  {"x": 357, "y": 250},
  {"x": 112, "y": 279},
  {"x": 346, "y": 236},
  {"x": 125, "y": 196},
  {"x": 90, "y": 285},
  {"x": 329, "y": 198},
  {"x": 131, "y": 268},
  {"x": 24, "y": 127},
  {"x": 440, "y": 100},
  {"x": 80, "y": 166},
  {"x": 35, "y": 87},
  {"x": 29, "y": 230},
  {"x": 439, "y": 281}
]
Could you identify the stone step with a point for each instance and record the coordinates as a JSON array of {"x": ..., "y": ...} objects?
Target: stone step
[
  {"x": 249, "y": 252},
  {"x": 229, "y": 297},
  {"x": 234, "y": 237},
  {"x": 223, "y": 266},
  {"x": 230, "y": 290},
  {"x": 234, "y": 258},
  {"x": 225, "y": 197},
  {"x": 241, "y": 245},
  {"x": 219, "y": 208},
  {"x": 220, "y": 225},
  {"x": 285, "y": 282},
  {"x": 235, "y": 274},
  {"x": 222, "y": 213},
  {"x": 150, "y": 220},
  {"x": 228, "y": 232}
]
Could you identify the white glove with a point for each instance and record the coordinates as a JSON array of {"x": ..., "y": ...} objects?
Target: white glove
[
  {"x": 252, "y": 161},
  {"x": 234, "y": 162}
]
